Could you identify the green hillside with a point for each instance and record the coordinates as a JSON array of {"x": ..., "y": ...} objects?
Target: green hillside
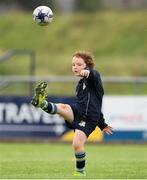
[{"x": 118, "y": 40}]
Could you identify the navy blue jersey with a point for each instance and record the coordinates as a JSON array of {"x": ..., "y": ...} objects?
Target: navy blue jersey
[{"x": 89, "y": 98}]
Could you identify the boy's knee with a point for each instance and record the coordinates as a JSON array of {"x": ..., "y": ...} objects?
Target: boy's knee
[
  {"x": 77, "y": 145},
  {"x": 63, "y": 106},
  {"x": 65, "y": 111}
]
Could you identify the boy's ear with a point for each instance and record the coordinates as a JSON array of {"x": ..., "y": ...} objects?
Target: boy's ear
[{"x": 87, "y": 68}]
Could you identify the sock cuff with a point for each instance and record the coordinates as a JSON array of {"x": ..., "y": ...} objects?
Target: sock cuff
[
  {"x": 49, "y": 107},
  {"x": 54, "y": 108},
  {"x": 80, "y": 155}
]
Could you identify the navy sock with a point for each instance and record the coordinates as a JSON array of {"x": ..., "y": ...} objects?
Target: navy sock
[
  {"x": 80, "y": 161},
  {"x": 49, "y": 107}
]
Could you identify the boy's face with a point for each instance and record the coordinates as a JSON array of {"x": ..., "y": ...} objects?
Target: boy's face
[{"x": 78, "y": 64}]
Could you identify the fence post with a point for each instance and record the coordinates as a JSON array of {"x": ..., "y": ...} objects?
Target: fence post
[{"x": 32, "y": 70}]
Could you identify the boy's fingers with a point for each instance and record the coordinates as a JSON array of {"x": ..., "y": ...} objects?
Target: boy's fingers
[
  {"x": 84, "y": 73},
  {"x": 108, "y": 130}
]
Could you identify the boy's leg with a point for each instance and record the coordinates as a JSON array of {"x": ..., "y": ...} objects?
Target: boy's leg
[
  {"x": 80, "y": 155},
  {"x": 65, "y": 111},
  {"x": 39, "y": 100}
]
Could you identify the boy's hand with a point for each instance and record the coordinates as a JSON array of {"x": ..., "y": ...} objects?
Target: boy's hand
[
  {"x": 85, "y": 73},
  {"x": 108, "y": 130}
]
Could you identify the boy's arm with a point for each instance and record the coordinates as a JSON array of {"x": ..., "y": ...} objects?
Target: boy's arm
[
  {"x": 101, "y": 123},
  {"x": 104, "y": 126},
  {"x": 93, "y": 77}
]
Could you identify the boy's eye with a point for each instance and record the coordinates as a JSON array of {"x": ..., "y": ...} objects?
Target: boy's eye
[{"x": 79, "y": 64}]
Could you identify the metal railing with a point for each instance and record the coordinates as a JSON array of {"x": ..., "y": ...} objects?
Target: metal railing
[
  {"x": 137, "y": 81},
  {"x": 106, "y": 79},
  {"x": 5, "y": 80}
]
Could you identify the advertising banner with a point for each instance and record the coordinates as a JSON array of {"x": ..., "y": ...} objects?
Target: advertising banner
[
  {"x": 126, "y": 114},
  {"x": 18, "y": 118}
]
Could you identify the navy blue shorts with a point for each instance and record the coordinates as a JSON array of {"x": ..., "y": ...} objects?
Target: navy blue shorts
[{"x": 81, "y": 123}]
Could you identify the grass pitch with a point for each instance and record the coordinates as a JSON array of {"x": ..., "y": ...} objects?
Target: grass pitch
[{"x": 48, "y": 161}]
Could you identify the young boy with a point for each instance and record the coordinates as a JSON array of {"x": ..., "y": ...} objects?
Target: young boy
[{"x": 85, "y": 114}]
